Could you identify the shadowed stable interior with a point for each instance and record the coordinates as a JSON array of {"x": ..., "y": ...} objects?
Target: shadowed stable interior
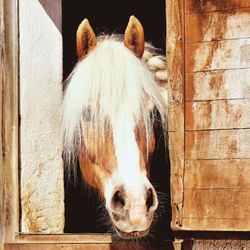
[{"x": 81, "y": 203}]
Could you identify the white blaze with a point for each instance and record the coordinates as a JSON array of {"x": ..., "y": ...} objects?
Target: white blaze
[
  {"x": 127, "y": 152},
  {"x": 128, "y": 172}
]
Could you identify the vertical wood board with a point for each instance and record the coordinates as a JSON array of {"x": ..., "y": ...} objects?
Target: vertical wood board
[
  {"x": 175, "y": 55},
  {"x": 9, "y": 218}
]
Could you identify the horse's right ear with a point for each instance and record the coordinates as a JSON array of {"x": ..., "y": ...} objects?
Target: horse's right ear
[{"x": 85, "y": 39}]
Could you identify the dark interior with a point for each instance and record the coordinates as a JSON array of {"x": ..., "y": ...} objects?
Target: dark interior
[
  {"x": 111, "y": 16},
  {"x": 82, "y": 206}
]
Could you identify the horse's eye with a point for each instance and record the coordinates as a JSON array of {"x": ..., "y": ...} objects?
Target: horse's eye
[
  {"x": 94, "y": 160},
  {"x": 86, "y": 116}
]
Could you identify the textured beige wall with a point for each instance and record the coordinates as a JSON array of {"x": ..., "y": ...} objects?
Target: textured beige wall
[
  {"x": 220, "y": 245},
  {"x": 42, "y": 191}
]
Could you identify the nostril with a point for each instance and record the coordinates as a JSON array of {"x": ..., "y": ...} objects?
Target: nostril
[
  {"x": 118, "y": 199},
  {"x": 150, "y": 199}
]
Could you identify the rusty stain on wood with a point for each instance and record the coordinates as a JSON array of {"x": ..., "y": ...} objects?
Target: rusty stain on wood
[
  {"x": 221, "y": 114},
  {"x": 217, "y": 116},
  {"x": 217, "y": 25},
  {"x": 228, "y": 54},
  {"x": 217, "y": 85},
  {"x": 218, "y": 174},
  {"x": 214, "y": 5},
  {"x": 217, "y": 144}
]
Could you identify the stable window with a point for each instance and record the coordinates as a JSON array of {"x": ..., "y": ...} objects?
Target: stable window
[
  {"x": 207, "y": 56},
  {"x": 39, "y": 204}
]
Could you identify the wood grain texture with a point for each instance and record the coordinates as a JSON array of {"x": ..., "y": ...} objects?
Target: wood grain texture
[
  {"x": 217, "y": 115},
  {"x": 222, "y": 114},
  {"x": 217, "y": 174},
  {"x": 207, "y": 224},
  {"x": 101, "y": 246},
  {"x": 64, "y": 238},
  {"x": 9, "y": 218},
  {"x": 214, "y": 5},
  {"x": 175, "y": 55},
  {"x": 228, "y": 54},
  {"x": 2, "y": 172},
  {"x": 217, "y": 85},
  {"x": 217, "y": 144},
  {"x": 217, "y": 25},
  {"x": 217, "y": 204},
  {"x": 47, "y": 246}
]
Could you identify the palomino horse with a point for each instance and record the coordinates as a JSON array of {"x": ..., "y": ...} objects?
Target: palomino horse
[{"x": 109, "y": 110}]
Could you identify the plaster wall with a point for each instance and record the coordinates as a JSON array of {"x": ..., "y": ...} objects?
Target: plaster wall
[{"x": 42, "y": 189}]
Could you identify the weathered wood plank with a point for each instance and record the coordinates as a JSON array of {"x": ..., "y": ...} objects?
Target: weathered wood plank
[
  {"x": 101, "y": 246},
  {"x": 64, "y": 238},
  {"x": 222, "y": 114},
  {"x": 204, "y": 224},
  {"x": 228, "y": 54},
  {"x": 214, "y": 5},
  {"x": 215, "y": 85},
  {"x": 200, "y": 174},
  {"x": 217, "y": 25},
  {"x": 56, "y": 247},
  {"x": 217, "y": 144},
  {"x": 217, "y": 203},
  {"x": 175, "y": 55}
]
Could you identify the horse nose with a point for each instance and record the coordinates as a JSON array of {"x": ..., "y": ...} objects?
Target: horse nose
[
  {"x": 150, "y": 199},
  {"x": 147, "y": 198},
  {"x": 118, "y": 200}
]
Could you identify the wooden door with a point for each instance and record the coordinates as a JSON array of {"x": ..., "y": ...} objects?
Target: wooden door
[{"x": 212, "y": 107}]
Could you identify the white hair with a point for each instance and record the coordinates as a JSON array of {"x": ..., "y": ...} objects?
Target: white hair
[{"x": 109, "y": 81}]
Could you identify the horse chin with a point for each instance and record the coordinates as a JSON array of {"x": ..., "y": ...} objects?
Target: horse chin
[{"x": 133, "y": 234}]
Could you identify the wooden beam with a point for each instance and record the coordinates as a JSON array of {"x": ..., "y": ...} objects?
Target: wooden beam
[
  {"x": 175, "y": 55},
  {"x": 9, "y": 220}
]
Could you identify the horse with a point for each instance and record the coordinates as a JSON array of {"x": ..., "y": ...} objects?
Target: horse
[{"x": 111, "y": 103}]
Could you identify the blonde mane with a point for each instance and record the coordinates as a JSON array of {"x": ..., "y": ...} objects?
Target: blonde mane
[{"x": 108, "y": 82}]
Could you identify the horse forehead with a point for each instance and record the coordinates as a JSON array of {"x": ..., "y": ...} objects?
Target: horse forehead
[{"x": 131, "y": 148}]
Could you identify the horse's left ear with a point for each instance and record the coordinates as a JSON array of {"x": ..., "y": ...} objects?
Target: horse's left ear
[
  {"x": 134, "y": 36},
  {"x": 85, "y": 39}
]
